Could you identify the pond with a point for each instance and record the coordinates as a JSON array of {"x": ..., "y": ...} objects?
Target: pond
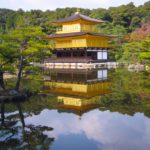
[{"x": 105, "y": 109}]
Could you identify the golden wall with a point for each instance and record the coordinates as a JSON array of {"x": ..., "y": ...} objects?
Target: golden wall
[
  {"x": 83, "y": 41},
  {"x": 77, "y": 26},
  {"x": 97, "y": 42}
]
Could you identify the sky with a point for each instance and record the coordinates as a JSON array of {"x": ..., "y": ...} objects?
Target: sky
[{"x": 53, "y": 4}]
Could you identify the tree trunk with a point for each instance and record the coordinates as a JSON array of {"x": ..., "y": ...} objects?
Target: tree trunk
[
  {"x": 2, "y": 84},
  {"x": 19, "y": 74}
]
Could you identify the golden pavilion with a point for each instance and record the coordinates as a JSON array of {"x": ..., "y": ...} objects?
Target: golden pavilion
[{"x": 77, "y": 44}]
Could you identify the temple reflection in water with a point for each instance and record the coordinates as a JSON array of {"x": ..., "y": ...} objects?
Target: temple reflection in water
[{"x": 77, "y": 91}]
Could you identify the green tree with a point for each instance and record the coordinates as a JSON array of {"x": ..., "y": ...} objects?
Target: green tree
[
  {"x": 145, "y": 54},
  {"x": 29, "y": 44},
  {"x": 8, "y": 56},
  {"x": 135, "y": 22},
  {"x": 137, "y": 51},
  {"x": 101, "y": 13}
]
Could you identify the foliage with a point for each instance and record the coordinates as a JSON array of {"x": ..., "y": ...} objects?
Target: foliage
[
  {"x": 140, "y": 33},
  {"x": 22, "y": 46},
  {"x": 137, "y": 51},
  {"x": 127, "y": 16}
]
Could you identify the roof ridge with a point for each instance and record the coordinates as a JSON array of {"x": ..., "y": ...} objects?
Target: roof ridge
[{"x": 77, "y": 16}]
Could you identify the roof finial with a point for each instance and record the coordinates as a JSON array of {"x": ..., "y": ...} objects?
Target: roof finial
[{"x": 78, "y": 11}]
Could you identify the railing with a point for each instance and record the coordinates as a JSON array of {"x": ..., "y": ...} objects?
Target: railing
[
  {"x": 75, "y": 60},
  {"x": 68, "y": 60}
]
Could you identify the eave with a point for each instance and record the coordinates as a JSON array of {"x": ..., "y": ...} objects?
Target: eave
[{"x": 78, "y": 34}]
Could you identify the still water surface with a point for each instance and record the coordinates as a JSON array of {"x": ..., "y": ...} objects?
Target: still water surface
[{"x": 94, "y": 110}]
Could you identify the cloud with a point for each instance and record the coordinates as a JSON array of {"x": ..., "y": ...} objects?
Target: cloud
[
  {"x": 107, "y": 129},
  {"x": 51, "y": 4}
]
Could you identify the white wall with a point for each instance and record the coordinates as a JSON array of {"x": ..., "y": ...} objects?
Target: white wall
[
  {"x": 99, "y": 55},
  {"x": 102, "y": 55},
  {"x": 105, "y": 55}
]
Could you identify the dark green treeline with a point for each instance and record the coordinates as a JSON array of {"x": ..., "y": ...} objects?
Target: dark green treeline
[{"x": 124, "y": 18}]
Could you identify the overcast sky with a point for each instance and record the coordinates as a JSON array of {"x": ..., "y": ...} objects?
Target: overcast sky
[{"x": 53, "y": 4}]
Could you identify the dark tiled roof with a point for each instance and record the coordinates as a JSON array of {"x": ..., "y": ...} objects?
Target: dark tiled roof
[
  {"x": 77, "y": 34},
  {"x": 78, "y": 16}
]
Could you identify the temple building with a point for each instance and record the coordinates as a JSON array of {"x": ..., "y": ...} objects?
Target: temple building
[{"x": 78, "y": 44}]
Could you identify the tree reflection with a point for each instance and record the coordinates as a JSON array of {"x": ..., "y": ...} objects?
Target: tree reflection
[
  {"x": 20, "y": 114},
  {"x": 2, "y": 113},
  {"x": 130, "y": 93},
  {"x": 13, "y": 136}
]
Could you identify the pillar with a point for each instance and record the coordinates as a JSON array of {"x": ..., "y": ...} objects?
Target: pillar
[
  {"x": 85, "y": 54},
  {"x": 71, "y": 53}
]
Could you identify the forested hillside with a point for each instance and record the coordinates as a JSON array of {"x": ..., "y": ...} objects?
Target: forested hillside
[
  {"x": 122, "y": 21},
  {"x": 125, "y": 17}
]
